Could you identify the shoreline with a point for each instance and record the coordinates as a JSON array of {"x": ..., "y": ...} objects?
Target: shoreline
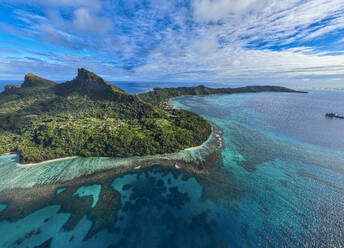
[
  {"x": 212, "y": 134},
  {"x": 143, "y": 157},
  {"x": 193, "y": 160},
  {"x": 44, "y": 162},
  {"x": 197, "y": 161},
  {"x": 204, "y": 143},
  {"x": 194, "y": 147},
  {"x": 8, "y": 153},
  {"x": 38, "y": 187},
  {"x": 73, "y": 157}
]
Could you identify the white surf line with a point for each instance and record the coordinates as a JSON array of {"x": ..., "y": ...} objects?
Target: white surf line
[
  {"x": 45, "y": 162},
  {"x": 177, "y": 166}
]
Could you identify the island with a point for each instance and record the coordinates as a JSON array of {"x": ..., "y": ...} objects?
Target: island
[{"x": 42, "y": 120}]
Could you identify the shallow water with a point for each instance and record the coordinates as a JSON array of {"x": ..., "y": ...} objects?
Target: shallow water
[
  {"x": 91, "y": 190},
  {"x": 280, "y": 184},
  {"x": 60, "y": 190}
]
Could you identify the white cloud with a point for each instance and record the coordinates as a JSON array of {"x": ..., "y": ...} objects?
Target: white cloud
[
  {"x": 211, "y": 39},
  {"x": 215, "y": 10},
  {"x": 226, "y": 49},
  {"x": 86, "y": 21},
  {"x": 240, "y": 62},
  {"x": 86, "y": 17},
  {"x": 56, "y": 67}
]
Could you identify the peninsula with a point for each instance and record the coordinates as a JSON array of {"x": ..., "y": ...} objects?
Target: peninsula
[
  {"x": 90, "y": 117},
  {"x": 159, "y": 96}
]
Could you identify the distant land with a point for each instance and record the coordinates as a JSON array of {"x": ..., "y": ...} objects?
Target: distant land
[
  {"x": 89, "y": 117},
  {"x": 160, "y": 95}
]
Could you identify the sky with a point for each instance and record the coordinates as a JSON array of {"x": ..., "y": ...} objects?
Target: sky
[{"x": 174, "y": 40}]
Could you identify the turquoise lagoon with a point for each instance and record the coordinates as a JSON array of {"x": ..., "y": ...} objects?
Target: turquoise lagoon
[
  {"x": 280, "y": 184},
  {"x": 91, "y": 190}
]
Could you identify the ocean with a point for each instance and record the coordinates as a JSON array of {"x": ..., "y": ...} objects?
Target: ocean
[{"x": 280, "y": 184}]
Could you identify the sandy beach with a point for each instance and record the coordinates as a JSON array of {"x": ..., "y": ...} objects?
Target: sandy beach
[
  {"x": 193, "y": 148},
  {"x": 5, "y": 154},
  {"x": 45, "y": 162}
]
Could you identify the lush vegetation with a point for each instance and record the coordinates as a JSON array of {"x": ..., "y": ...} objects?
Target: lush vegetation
[
  {"x": 160, "y": 95},
  {"x": 88, "y": 116}
]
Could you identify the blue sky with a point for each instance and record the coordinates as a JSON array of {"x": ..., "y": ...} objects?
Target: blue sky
[{"x": 181, "y": 40}]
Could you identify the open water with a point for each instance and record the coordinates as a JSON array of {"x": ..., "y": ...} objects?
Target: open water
[{"x": 280, "y": 184}]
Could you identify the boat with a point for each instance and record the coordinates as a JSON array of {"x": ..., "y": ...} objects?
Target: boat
[{"x": 334, "y": 115}]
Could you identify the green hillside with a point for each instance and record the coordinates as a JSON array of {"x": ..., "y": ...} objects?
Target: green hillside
[{"x": 88, "y": 116}]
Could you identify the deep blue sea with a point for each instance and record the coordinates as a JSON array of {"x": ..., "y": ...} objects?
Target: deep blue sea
[{"x": 280, "y": 184}]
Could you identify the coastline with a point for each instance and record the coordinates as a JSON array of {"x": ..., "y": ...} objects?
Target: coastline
[
  {"x": 73, "y": 157},
  {"x": 7, "y": 153},
  {"x": 194, "y": 148},
  {"x": 168, "y": 101},
  {"x": 44, "y": 162},
  {"x": 195, "y": 160},
  {"x": 37, "y": 186},
  {"x": 30, "y": 189},
  {"x": 138, "y": 158}
]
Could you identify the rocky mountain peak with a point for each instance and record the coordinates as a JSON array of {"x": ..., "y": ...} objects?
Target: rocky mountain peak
[
  {"x": 32, "y": 80},
  {"x": 91, "y": 83},
  {"x": 84, "y": 74}
]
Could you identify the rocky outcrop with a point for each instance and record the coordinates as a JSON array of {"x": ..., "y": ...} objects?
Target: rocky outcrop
[
  {"x": 89, "y": 82},
  {"x": 32, "y": 80}
]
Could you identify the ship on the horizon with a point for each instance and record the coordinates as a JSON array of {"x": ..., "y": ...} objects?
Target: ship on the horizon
[{"x": 334, "y": 115}]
